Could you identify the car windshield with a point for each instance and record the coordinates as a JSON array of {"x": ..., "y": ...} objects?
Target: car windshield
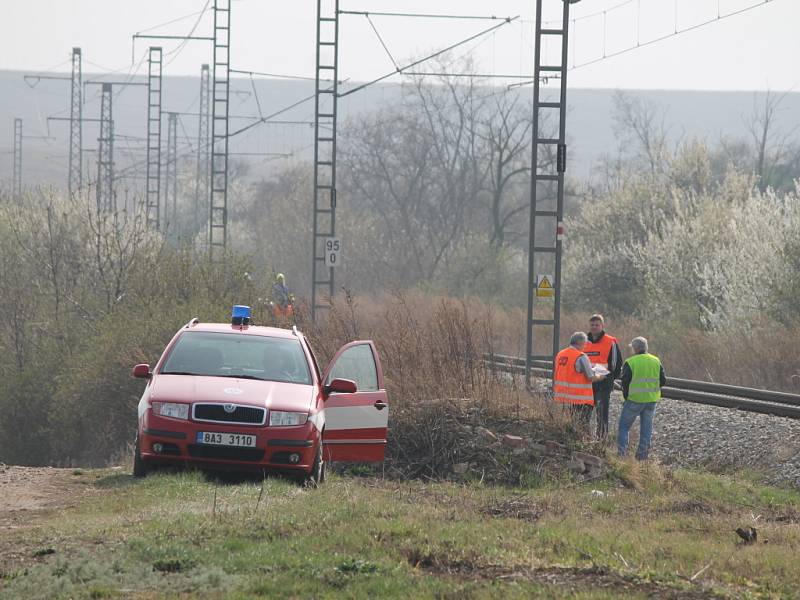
[{"x": 235, "y": 355}]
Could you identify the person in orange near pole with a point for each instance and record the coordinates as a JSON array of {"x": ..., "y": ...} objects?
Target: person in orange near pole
[
  {"x": 281, "y": 298},
  {"x": 572, "y": 380}
]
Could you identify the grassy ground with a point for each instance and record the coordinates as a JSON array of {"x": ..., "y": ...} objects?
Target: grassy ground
[{"x": 638, "y": 534}]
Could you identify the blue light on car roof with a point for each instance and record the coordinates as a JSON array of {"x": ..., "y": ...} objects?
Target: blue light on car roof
[
  {"x": 240, "y": 315},
  {"x": 240, "y": 310}
]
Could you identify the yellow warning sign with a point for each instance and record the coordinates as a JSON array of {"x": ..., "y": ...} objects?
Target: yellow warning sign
[{"x": 544, "y": 286}]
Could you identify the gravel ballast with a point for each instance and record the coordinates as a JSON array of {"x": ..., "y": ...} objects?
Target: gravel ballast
[{"x": 697, "y": 435}]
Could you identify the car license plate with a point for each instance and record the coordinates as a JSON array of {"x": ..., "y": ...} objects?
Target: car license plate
[{"x": 238, "y": 440}]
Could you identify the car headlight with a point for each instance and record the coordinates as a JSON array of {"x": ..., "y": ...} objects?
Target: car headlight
[
  {"x": 282, "y": 418},
  {"x": 171, "y": 409}
]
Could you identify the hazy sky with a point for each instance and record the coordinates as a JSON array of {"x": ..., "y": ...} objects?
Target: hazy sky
[{"x": 754, "y": 50}]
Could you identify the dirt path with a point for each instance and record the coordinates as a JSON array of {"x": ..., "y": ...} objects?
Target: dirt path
[
  {"x": 35, "y": 488},
  {"x": 27, "y": 493}
]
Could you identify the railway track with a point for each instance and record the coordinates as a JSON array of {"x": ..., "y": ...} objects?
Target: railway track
[{"x": 754, "y": 400}]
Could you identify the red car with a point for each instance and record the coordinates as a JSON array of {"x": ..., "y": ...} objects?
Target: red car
[{"x": 241, "y": 397}]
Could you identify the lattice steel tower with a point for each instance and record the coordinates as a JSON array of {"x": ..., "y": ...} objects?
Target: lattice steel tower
[
  {"x": 76, "y": 126},
  {"x": 547, "y": 199},
  {"x": 171, "y": 175},
  {"x": 16, "y": 189},
  {"x": 325, "y": 113},
  {"x": 153, "y": 186},
  {"x": 218, "y": 205},
  {"x": 201, "y": 190},
  {"x": 106, "y": 200}
]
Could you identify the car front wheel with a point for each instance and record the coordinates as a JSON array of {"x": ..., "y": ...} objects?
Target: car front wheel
[
  {"x": 140, "y": 468},
  {"x": 317, "y": 475}
]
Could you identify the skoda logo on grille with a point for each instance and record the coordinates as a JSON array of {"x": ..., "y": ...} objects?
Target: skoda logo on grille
[{"x": 229, "y": 408}]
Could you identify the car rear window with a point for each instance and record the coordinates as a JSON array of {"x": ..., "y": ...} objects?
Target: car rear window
[{"x": 235, "y": 355}]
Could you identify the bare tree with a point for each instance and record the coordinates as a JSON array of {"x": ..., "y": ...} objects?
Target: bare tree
[
  {"x": 505, "y": 132},
  {"x": 117, "y": 241},
  {"x": 641, "y": 125},
  {"x": 772, "y": 149},
  {"x": 417, "y": 167}
]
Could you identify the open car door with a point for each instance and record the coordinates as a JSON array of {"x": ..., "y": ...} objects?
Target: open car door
[{"x": 356, "y": 423}]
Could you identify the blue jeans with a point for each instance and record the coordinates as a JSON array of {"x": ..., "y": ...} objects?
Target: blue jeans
[{"x": 630, "y": 410}]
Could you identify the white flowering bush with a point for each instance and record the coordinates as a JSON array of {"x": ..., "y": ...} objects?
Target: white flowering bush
[
  {"x": 685, "y": 250},
  {"x": 720, "y": 262}
]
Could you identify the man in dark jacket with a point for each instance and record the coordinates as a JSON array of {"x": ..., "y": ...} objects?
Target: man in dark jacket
[{"x": 604, "y": 354}]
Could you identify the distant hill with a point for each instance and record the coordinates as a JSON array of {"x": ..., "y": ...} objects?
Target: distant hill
[{"x": 689, "y": 114}]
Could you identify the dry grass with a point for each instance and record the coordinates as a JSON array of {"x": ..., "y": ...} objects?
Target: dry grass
[
  {"x": 440, "y": 389},
  {"x": 639, "y": 475},
  {"x": 753, "y": 356}
]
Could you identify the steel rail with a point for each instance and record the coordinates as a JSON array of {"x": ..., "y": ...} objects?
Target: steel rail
[{"x": 746, "y": 399}]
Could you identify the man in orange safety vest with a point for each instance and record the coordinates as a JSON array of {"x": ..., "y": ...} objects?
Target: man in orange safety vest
[
  {"x": 604, "y": 354},
  {"x": 572, "y": 380}
]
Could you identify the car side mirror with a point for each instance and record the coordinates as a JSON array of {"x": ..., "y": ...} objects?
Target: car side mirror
[
  {"x": 341, "y": 386},
  {"x": 142, "y": 372}
]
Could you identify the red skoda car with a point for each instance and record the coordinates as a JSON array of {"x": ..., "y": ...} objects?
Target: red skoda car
[{"x": 242, "y": 397}]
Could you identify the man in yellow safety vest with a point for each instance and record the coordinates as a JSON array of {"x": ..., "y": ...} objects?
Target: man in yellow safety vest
[{"x": 642, "y": 379}]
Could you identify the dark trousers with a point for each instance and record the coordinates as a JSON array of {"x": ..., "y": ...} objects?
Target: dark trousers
[{"x": 602, "y": 398}]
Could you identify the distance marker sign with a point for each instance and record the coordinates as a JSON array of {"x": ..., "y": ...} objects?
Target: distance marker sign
[
  {"x": 544, "y": 286},
  {"x": 333, "y": 252}
]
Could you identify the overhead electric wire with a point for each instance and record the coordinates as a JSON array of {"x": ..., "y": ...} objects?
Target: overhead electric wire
[
  {"x": 200, "y": 12},
  {"x": 38, "y": 78},
  {"x": 185, "y": 133},
  {"x": 182, "y": 45},
  {"x": 262, "y": 74},
  {"x": 399, "y": 69},
  {"x": 469, "y": 75},
  {"x": 196, "y": 99},
  {"x": 423, "y": 15},
  {"x": 181, "y": 153},
  {"x": 676, "y": 32},
  {"x": 719, "y": 17},
  {"x": 406, "y": 70},
  {"x": 122, "y": 83},
  {"x": 434, "y": 55},
  {"x": 131, "y": 151},
  {"x": 135, "y": 67},
  {"x": 175, "y": 52},
  {"x": 380, "y": 39},
  {"x": 589, "y": 16},
  {"x": 268, "y": 117},
  {"x": 133, "y": 70},
  {"x": 255, "y": 94},
  {"x": 468, "y": 51},
  {"x": 258, "y": 153},
  {"x": 44, "y": 124},
  {"x": 249, "y": 117},
  {"x": 50, "y": 69}
]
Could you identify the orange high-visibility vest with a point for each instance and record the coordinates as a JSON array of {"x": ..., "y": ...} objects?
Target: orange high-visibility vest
[
  {"x": 569, "y": 386},
  {"x": 598, "y": 352}
]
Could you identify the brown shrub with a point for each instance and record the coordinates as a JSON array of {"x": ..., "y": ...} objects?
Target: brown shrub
[{"x": 439, "y": 388}]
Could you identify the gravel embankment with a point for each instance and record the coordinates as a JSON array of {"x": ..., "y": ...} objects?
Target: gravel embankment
[{"x": 687, "y": 434}]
